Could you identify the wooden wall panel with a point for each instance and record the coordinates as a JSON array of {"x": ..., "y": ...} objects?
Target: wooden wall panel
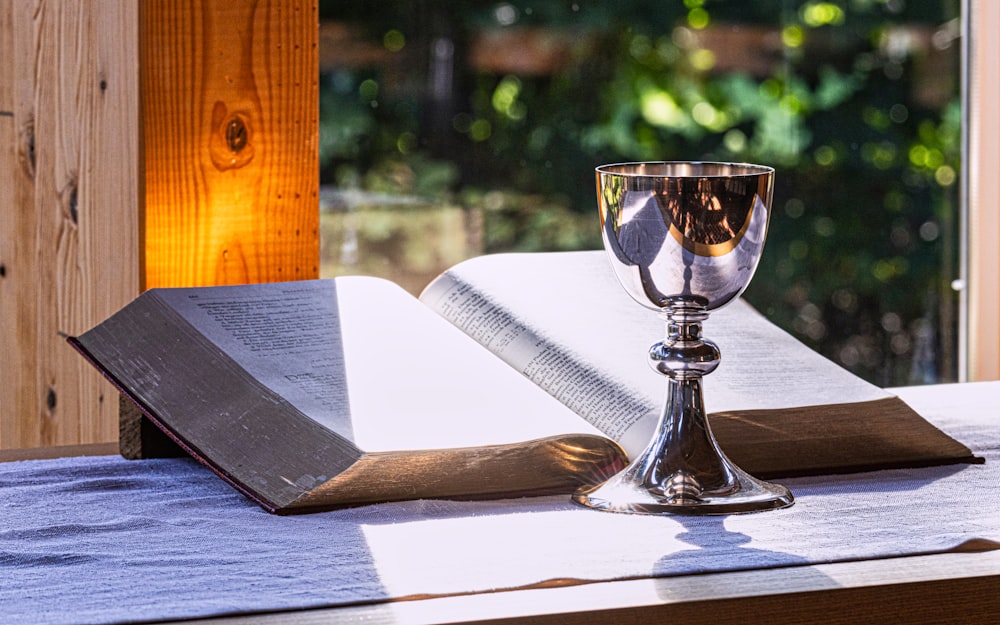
[
  {"x": 12, "y": 366},
  {"x": 68, "y": 217}
]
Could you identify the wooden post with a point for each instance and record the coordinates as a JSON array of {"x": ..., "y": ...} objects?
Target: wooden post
[{"x": 229, "y": 103}]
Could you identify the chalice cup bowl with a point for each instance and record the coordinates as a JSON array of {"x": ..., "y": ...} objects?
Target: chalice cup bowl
[{"x": 684, "y": 239}]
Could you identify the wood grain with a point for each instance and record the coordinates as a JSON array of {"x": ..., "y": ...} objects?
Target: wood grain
[
  {"x": 68, "y": 227},
  {"x": 230, "y": 133}
]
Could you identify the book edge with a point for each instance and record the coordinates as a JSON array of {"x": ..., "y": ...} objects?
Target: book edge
[{"x": 185, "y": 445}]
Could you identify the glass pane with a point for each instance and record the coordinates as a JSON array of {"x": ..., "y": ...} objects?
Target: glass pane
[{"x": 450, "y": 129}]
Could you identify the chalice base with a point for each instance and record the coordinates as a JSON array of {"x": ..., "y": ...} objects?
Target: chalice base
[{"x": 745, "y": 493}]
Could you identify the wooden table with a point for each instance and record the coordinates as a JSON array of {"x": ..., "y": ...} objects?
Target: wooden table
[{"x": 945, "y": 588}]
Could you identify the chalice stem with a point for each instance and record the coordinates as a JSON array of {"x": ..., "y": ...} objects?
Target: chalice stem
[{"x": 683, "y": 460}]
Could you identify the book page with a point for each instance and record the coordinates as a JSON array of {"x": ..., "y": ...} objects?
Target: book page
[
  {"x": 368, "y": 361},
  {"x": 285, "y": 335},
  {"x": 563, "y": 320}
]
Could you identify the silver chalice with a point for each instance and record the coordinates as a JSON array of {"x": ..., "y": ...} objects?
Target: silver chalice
[{"x": 684, "y": 239}]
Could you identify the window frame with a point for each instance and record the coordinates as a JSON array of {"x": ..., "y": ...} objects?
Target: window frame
[{"x": 980, "y": 286}]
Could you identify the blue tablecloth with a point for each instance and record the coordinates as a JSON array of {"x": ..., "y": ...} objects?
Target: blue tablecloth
[{"x": 105, "y": 540}]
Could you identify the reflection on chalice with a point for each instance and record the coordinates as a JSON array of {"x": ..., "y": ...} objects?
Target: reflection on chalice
[{"x": 684, "y": 239}]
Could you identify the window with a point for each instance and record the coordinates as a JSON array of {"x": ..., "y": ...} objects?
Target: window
[{"x": 460, "y": 128}]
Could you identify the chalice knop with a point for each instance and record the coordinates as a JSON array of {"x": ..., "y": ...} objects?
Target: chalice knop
[{"x": 684, "y": 239}]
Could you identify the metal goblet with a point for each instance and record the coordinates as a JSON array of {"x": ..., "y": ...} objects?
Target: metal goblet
[{"x": 684, "y": 239}]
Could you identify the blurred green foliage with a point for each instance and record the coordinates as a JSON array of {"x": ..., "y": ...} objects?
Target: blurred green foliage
[{"x": 855, "y": 103}]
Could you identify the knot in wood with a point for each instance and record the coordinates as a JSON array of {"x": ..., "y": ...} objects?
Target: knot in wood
[
  {"x": 237, "y": 134},
  {"x": 231, "y": 144}
]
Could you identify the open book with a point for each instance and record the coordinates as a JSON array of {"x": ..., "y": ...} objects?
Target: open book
[{"x": 512, "y": 374}]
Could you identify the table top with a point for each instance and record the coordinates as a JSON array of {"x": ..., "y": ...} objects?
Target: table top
[{"x": 962, "y": 585}]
